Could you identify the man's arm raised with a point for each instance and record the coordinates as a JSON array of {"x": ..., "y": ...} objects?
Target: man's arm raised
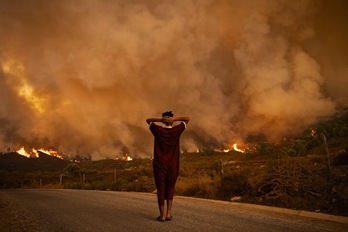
[
  {"x": 183, "y": 119},
  {"x": 168, "y": 119},
  {"x": 149, "y": 120}
]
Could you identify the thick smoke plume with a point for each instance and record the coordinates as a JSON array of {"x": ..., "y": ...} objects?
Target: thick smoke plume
[{"x": 82, "y": 76}]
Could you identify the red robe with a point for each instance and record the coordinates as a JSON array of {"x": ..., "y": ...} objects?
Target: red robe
[{"x": 166, "y": 159}]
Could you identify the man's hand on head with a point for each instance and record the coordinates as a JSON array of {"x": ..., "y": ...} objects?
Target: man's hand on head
[{"x": 167, "y": 119}]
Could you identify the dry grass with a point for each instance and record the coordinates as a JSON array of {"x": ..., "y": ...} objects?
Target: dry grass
[
  {"x": 298, "y": 182},
  {"x": 203, "y": 186}
]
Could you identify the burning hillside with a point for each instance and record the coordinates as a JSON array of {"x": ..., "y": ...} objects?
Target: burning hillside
[
  {"x": 14, "y": 161},
  {"x": 35, "y": 153}
]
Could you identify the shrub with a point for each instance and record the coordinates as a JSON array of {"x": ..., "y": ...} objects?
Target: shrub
[
  {"x": 234, "y": 184},
  {"x": 267, "y": 150},
  {"x": 73, "y": 169},
  {"x": 100, "y": 184},
  {"x": 207, "y": 151}
]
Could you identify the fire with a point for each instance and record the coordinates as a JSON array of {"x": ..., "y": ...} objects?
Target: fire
[
  {"x": 35, "y": 153},
  {"x": 237, "y": 149},
  {"x": 17, "y": 78},
  {"x": 50, "y": 152},
  {"x": 127, "y": 158},
  {"x": 313, "y": 132},
  {"x": 234, "y": 148},
  {"x": 22, "y": 152}
]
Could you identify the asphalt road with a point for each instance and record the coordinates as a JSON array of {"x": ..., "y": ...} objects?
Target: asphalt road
[{"x": 79, "y": 210}]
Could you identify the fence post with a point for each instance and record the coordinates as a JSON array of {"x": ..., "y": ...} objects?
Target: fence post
[
  {"x": 60, "y": 179},
  {"x": 327, "y": 155},
  {"x": 221, "y": 167},
  {"x": 115, "y": 175}
]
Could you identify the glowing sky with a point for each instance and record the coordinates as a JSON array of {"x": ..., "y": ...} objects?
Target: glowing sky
[{"x": 82, "y": 76}]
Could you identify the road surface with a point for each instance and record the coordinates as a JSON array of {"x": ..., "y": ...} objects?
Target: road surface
[{"x": 80, "y": 210}]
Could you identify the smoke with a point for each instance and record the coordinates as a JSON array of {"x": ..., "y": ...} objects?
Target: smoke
[{"x": 82, "y": 76}]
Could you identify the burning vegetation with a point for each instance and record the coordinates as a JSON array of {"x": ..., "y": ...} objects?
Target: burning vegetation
[
  {"x": 304, "y": 172},
  {"x": 35, "y": 153}
]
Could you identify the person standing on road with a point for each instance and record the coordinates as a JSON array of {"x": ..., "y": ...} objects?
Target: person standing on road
[{"x": 166, "y": 158}]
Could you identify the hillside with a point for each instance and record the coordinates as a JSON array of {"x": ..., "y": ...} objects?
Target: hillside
[
  {"x": 12, "y": 161},
  {"x": 302, "y": 172}
]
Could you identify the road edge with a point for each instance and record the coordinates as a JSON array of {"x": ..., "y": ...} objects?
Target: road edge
[{"x": 302, "y": 213}]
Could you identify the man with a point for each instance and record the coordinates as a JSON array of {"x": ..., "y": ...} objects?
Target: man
[{"x": 166, "y": 158}]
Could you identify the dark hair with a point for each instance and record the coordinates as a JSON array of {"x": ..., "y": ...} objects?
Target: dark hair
[{"x": 168, "y": 113}]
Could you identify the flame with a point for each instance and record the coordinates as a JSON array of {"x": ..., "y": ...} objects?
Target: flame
[
  {"x": 313, "y": 132},
  {"x": 35, "y": 153},
  {"x": 234, "y": 148},
  {"x": 127, "y": 158},
  {"x": 237, "y": 149},
  {"x": 49, "y": 152},
  {"x": 22, "y": 152},
  {"x": 17, "y": 78}
]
